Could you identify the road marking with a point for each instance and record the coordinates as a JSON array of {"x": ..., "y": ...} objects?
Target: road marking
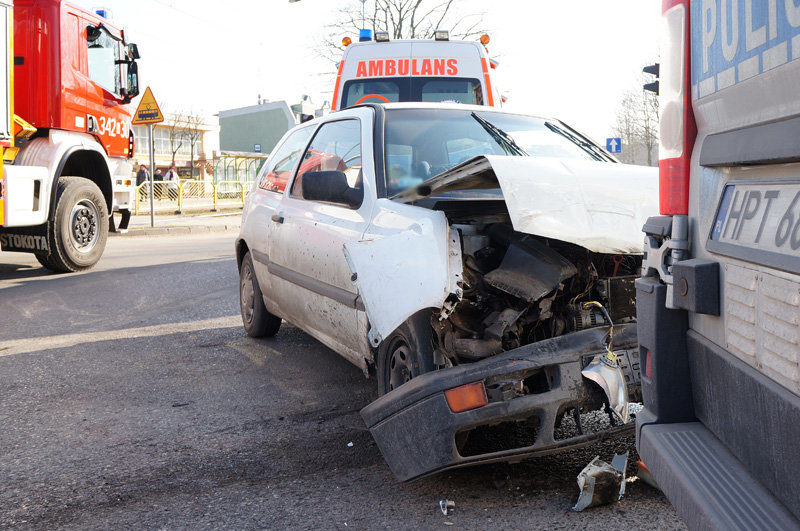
[{"x": 37, "y": 344}]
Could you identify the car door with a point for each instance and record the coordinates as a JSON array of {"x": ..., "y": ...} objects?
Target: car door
[
  {"x": 263, "y": 203},
  {"x": 309, "y": 273}
]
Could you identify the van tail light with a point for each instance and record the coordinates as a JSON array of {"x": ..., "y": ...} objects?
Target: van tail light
[
  {"x": 677, "y": 126},
  {"x": 466, "y": 397}
]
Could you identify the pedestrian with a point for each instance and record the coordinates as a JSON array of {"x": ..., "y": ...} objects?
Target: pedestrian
[
  {"x": 172, "y": 179},
  {"x": 142, "y": 176},
  {"x": 158, "y": 185}
]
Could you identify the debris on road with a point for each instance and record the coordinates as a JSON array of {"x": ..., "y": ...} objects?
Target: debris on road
[
  {"x": 447, "y": 506},
  {"x": 644, "y": 474},
  {"x": 350, "y": 444},
  {"x": 601, "y": 483}
]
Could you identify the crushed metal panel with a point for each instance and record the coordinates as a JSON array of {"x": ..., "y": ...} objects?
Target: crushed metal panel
[
  {"x": 530, "y": 270},
  {"x": 599, "y": 206},
  {"x": 406, "y": 272}
]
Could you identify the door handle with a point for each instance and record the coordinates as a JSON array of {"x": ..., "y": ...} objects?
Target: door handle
[{"x": 277, "y": 218}]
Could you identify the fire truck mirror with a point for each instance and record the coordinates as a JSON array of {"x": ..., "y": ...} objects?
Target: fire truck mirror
[
  {"x": 132, "y": 86},
  {"x": 133, "y": 51}
]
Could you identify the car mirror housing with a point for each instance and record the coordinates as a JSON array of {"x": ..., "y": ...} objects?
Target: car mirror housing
[{"x": 330, "y": 187}]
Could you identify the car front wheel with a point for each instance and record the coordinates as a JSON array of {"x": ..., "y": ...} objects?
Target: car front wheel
[{"x": 405, "y": 354}]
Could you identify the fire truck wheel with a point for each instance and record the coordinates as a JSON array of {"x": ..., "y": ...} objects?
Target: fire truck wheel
[
  {"x": 257, "y": 320},
  {"x": 46, "y": 260},
  {"x": 79, "y": 229}
]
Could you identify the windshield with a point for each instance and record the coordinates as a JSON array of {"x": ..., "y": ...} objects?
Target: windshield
[
  {"x": 427, "y": 89},
  {"x": 421, "y": 143}
]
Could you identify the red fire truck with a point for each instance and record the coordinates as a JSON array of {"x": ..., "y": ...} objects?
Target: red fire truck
[{"x": 66, "y": 131}]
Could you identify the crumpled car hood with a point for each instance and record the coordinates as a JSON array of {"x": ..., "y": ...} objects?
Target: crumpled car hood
[{"x": 599, "y": 206}]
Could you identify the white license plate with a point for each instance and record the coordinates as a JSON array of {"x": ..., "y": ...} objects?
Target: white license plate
[{"x": 763, "y": 217}]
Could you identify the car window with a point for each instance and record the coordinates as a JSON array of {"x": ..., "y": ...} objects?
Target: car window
[
  {"x": 335, "y": 147},
  {"x": 278, "y": 168}
]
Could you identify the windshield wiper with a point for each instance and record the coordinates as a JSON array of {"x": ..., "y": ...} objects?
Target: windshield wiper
[
  {"x": 594, "y": 151},
  {"x": 500, "y": 136}
]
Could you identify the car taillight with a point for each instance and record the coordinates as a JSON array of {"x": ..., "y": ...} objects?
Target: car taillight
[
  {"x": 466, "y": 397},
  {"x": 677, "y": 125}
]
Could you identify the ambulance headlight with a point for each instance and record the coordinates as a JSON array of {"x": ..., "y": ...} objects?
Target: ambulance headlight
[
  {"x": 381, "y": 36},
  {"x": 441, "y": 35}
]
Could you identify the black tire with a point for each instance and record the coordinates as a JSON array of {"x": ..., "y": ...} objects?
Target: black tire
[
  {"x": 45, "y": 260},
  {"x": 78, "y": 231},
  {"x": 406, "y": 353},
  {"x": 257, "y": 321}
]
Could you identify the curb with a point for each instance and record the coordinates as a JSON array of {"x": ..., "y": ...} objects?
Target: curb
[{"x": 170, "y": 231}]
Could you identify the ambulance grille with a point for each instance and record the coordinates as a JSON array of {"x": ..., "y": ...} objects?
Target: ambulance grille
[{"x": 762, "y": 323}]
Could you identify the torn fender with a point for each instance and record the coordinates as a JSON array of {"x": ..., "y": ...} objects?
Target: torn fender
[
  {"x": 597, "y": 205},
  {"x": 407, "y": 270}
]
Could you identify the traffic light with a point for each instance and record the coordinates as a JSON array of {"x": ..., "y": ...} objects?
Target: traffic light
[{"x": 653, "y": 70}]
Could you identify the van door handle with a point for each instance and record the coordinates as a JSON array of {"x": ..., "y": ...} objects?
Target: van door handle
[{"x": 277, "y": 218}]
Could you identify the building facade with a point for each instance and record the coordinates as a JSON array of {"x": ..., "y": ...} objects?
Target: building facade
[{"x": 172, "y": 141}]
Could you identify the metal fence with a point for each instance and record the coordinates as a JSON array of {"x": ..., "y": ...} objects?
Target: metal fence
[{"x": 190, "y": 195}]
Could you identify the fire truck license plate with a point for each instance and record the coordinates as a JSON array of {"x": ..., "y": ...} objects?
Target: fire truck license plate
[{"x": 760, "y": 216}]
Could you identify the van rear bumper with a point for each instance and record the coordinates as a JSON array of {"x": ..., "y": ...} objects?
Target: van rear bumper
[{"x": 708, "y": 486}]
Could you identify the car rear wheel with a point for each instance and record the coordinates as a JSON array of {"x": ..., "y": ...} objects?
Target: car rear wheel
[
  {"x": 406, "y": 353},
  {"x": 257, "y": 321}
]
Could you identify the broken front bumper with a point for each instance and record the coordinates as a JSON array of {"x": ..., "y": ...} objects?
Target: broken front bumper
[{"x": 530, "y": 387}]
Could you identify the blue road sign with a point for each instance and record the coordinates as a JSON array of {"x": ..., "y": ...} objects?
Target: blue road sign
[
  {"x": 257, "y": 148},
  {"x": 614, "y": 145}
]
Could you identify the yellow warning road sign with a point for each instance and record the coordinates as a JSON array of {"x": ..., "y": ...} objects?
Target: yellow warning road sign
[{"x": 148, "y": 111}]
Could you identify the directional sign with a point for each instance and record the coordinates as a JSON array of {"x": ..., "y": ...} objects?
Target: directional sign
[
  {"x": 148, "y": 111},
  {"x": 614, "y": 145}
]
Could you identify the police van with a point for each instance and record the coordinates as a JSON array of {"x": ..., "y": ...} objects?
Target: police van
[
  {"x": 719, "y": 301},
  {"x": 437, "y": 70}
]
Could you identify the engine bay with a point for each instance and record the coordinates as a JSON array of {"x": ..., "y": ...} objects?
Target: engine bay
[{"x": 519, "y": 289}]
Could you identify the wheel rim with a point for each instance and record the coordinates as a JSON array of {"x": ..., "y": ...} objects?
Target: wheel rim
[
  {"x": 399, "y": 365},
  {"x": 248, "y": 294},
  {"x": 84, "y": 222}
]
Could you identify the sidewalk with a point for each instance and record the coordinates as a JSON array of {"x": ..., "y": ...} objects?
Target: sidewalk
[{"x": 190, "y": 223}]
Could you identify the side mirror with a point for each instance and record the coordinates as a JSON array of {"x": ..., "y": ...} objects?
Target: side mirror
[
  {"x": 330, "y": 187},
  {"x": 132, "y": 89},
  {"x": 133, "y": 51}
]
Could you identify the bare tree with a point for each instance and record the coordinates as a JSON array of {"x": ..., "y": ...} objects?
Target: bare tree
[
  {"x": 192, "y": 133},
  {"x": 176, "y": 133},
  {"x": 403, "y": 19},
  {"x": 637, "y": 126}
]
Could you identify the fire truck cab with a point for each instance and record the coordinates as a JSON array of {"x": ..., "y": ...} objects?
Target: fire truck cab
[
  {"x": 435, "y": 70},
  {"x": 68, "y": 159}
]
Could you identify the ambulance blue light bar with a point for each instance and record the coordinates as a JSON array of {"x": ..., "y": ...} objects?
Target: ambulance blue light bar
[
  {"x": 364, "y": 35},
  {"x": 102, "y": 12}
]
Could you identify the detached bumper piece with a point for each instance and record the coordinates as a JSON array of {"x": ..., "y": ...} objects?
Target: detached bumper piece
[{"x": 528, "y": 391}]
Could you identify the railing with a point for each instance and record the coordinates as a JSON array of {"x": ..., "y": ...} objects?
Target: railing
[{"x": 190, "y": 195}]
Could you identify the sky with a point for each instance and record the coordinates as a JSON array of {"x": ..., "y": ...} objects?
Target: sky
[{"x": 568, "y": 59}]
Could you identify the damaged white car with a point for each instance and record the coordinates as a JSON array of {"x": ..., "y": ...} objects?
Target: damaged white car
[{"x": 480, "y": 263}]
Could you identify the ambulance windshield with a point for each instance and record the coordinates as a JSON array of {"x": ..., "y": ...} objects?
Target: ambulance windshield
[{"x": 428, "y": 89}]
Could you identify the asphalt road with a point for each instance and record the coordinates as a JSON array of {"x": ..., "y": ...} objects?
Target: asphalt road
[{"x": 130, "y": 397}]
